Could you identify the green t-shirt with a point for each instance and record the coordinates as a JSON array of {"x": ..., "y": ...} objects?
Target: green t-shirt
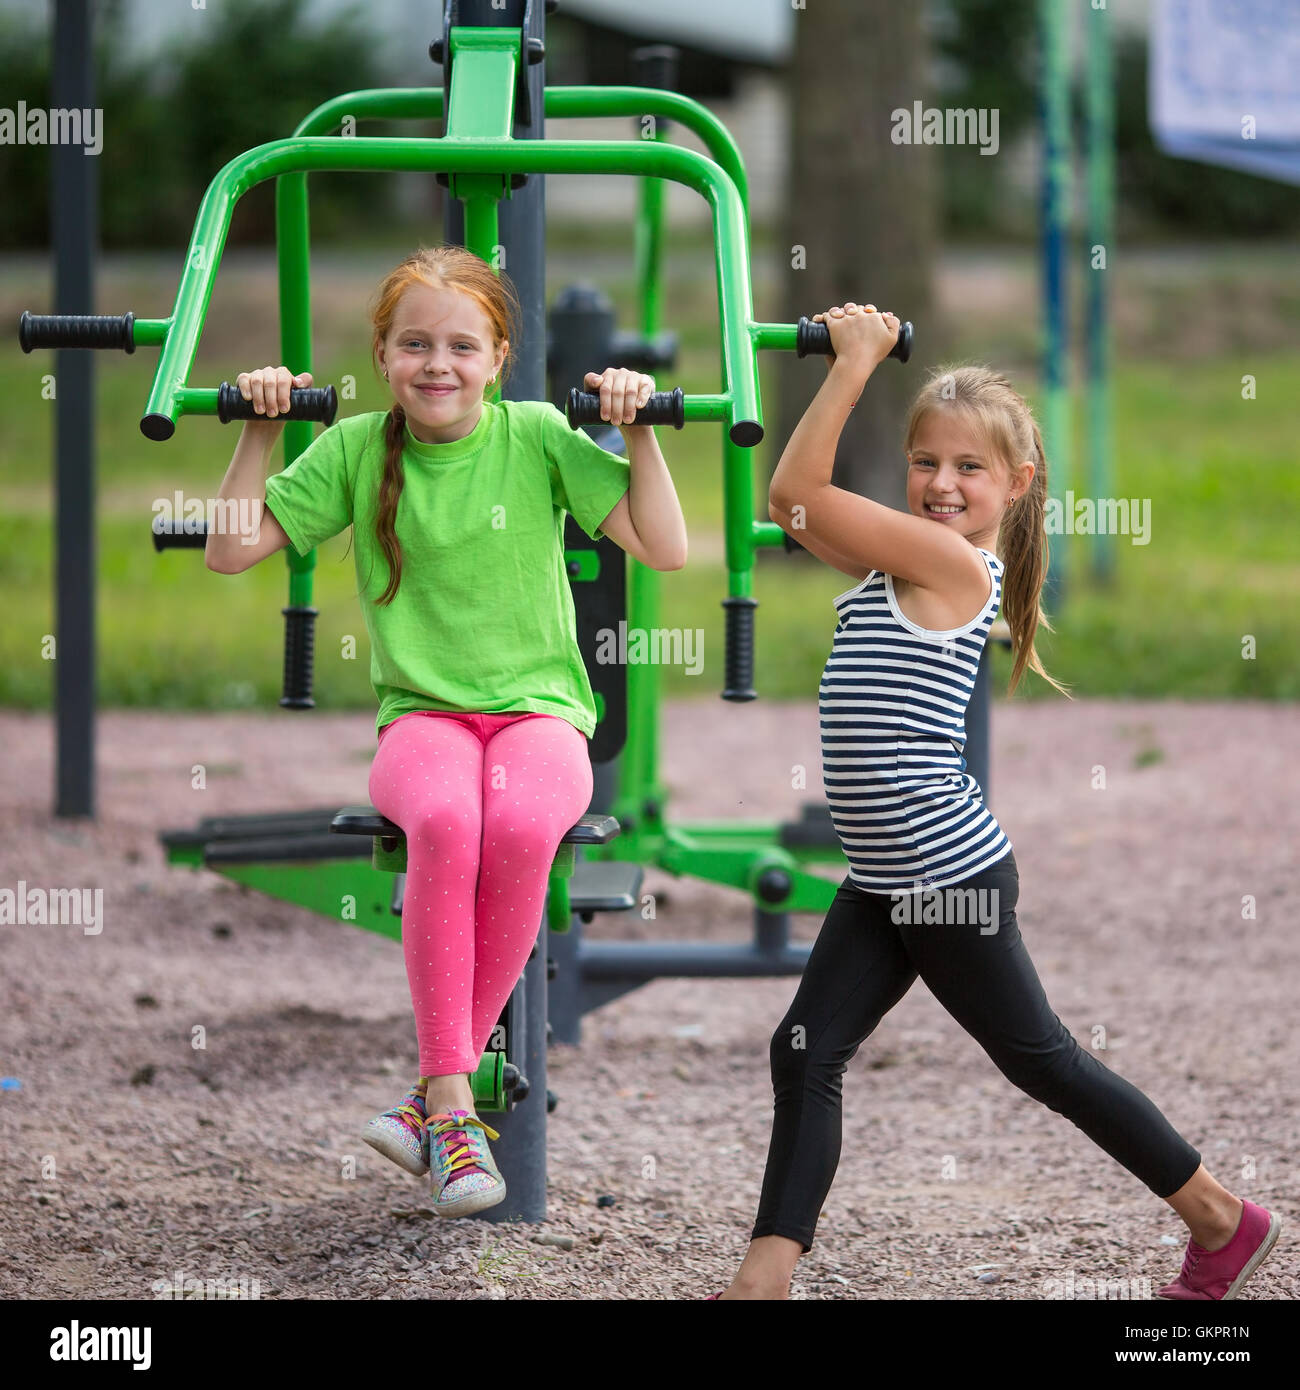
[{"x": 483, "y": 619}]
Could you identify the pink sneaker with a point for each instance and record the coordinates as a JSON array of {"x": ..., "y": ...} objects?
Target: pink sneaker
[{"x": 1219, "y": 1274}]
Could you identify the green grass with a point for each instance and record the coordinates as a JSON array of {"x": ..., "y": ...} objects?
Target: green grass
[{"x": 1222, "y": 562}]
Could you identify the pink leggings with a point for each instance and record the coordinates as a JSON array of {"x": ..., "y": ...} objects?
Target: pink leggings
[{"x": 484, "y": 800}]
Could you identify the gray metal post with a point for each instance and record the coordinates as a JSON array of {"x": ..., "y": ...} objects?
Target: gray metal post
[
  {"x": 521, "y": 1150},
  {"x": 74, "y": 217},
  {"x": 580, "y": 331},
  {"x": 978, "y": 762}
]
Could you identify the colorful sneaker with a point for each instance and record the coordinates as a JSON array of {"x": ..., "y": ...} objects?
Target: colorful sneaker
[
  {"x": 1219, "y": 1274},
  {"x": 466, "y": 1178},
  {"x": 399, "y": 1134}
]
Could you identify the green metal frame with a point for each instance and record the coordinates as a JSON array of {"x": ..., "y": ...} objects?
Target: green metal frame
[
  {"x": 479, "y": 156},
  {"x": 736, "y": 853}
]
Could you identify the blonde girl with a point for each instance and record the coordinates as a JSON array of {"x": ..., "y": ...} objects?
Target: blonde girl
[{"x": 932, "y": 882}]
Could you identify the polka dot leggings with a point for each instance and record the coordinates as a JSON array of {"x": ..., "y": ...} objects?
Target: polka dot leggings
[{"x": 484, "y": 800}]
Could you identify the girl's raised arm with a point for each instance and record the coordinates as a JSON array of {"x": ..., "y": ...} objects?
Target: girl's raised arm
[
  {"x": 844, "y": 563},
  {"x": 245, "y": 482}
]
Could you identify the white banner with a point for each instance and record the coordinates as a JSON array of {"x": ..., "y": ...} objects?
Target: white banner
[{"x": 1224, "y": 83}]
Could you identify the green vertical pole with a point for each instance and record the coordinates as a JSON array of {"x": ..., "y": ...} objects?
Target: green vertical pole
[
  {"x": 1055, "y": 110},
  {"x": 738, "y": 476},
  {"x": 649, "y": 246},
  {"x": 1101, "y": 249},
  {"x": 481, "y": 226},
  {"x": 293, "y": 259},
  {"x": 639, "y": 763},
  {"x": 482, "y": 236},
  {"x": 481, "y": 105}
]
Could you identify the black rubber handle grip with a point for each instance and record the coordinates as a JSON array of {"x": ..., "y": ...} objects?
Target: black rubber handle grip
[
  {"x": 76, "y": 331},
  {"x": 816, "y": 338},
  {"x": 305, "y": 403},
  {"x": 639, "y": 354},
  {"x": 740, "y": 649},
  {"x": 299, "y": 646},
  {"x": 172, "y": 535},
  {"x": 663, "y": 408}
]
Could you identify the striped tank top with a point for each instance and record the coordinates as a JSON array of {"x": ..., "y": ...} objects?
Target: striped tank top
[{"x": 892, "y": 706}]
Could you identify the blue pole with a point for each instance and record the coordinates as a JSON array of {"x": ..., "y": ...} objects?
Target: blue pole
[
  {"x": 1101, "y": 193},
  {"x": 1055, "y": 113}
]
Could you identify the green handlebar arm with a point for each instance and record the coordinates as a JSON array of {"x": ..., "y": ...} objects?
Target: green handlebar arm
[{"x": 740, "y": 397}]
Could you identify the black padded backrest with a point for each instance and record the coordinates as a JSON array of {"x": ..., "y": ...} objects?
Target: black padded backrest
[{"x": 600, "y": 604}]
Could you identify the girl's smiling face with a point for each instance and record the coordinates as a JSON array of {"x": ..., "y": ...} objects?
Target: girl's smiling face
[
  {"x": 438, "y": 357},
  {"x": 949, "y": 469}
]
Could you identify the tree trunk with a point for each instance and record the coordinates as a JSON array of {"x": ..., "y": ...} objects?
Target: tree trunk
[{"x": 860, "y": 214}]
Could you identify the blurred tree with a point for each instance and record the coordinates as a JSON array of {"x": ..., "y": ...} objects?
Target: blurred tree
[
  {"x": 171, "y": 121},
  {"x": 984, "y": 54},
  {"x": 24, "y": 169},
  {"x": 860, "y": 221},
  {"x": 260, "y": 73}
]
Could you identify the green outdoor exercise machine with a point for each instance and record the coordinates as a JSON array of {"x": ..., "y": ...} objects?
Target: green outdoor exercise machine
[{"x": 341, "y": 863}]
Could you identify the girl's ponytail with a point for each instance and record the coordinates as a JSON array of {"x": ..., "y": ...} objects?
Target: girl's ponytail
[
  {"x": 390, "y": 490},
  {"x": 1022, "y": 538},
  {"x": 1011, "y": 433}
]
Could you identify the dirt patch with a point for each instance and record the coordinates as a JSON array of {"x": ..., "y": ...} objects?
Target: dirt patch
[{"x": 131, "y": 1155}]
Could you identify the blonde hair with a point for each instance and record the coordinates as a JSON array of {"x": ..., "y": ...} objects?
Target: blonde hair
[
  {"x": 441, "y": 267},
  {"x": 1009, "y": 432}
]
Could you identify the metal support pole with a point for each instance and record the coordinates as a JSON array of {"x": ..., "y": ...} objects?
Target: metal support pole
[
  {"x": 75, "y": 233},
  {"x": 1054, "y": 98},
  {"x": 1101, "y": 195},
  {"x": 521, "y": 227},
  {"x": 581, "y": 331},
  {"x": 978, "y": 762},
  {"x": 640, "y": 790}
]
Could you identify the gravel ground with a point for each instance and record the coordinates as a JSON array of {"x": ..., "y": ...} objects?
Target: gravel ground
[{"x": 130, "y": 1155}]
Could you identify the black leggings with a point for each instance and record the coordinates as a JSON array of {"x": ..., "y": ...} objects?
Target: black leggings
[{"x": 862, "y": 964}]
